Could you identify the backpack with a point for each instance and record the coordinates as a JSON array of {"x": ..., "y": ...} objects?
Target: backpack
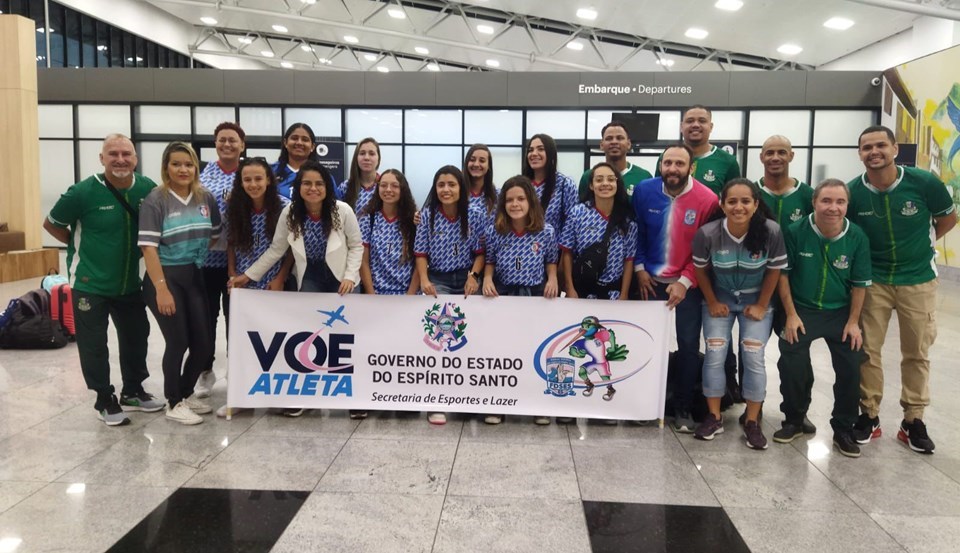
[
  {"x": 590, "y": 264},
  {"x": 26, "y": 324}
]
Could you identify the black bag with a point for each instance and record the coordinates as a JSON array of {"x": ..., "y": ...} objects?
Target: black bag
[
  {"x": 29, "y": 325},
  {"x": 590, "y": 264}
]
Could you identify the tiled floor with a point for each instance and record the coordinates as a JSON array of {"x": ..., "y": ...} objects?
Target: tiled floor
[{"x": 325, "y": 483}]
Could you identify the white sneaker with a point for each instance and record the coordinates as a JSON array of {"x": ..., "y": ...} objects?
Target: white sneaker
[
  {"x": 493, "y": 419},
  {"x": 437, "y": 418},
  {"x": 197, "y": 406},
  {"x": 222, "y": 411},
  {"x": 205, "y": 384},
  {"x": 541, "y": 421},
  {"x": 182, "y": 414}
]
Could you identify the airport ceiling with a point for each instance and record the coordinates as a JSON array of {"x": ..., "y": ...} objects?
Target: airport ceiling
[{"x": 545, "y": 35}]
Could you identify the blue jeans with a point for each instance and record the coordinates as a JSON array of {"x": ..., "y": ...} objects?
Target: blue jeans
[
  {"x": 451, "y": 282},
  {"x": 688, "y": 343},
  {"x": 717, "y": 332},
  {"x": 319, "y": 278}
]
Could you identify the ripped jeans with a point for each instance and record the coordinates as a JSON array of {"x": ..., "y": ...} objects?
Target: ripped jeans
[{"x": 753, "y": 339}]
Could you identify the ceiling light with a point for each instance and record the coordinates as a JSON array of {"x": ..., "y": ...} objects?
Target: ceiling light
[
  {"x": 485, "y": 29},
  {"x": 698, "y": 34},
  {"x": 575, "y": 45},
  {"x": 666, "y": 62},
  {"x": 351, "y": 39},
  {"x": 280, "y": 29},
  {"x": 138, "y": 59},
  {"x": 324, "y": 60},
  {"x": 311, "y": 2},
  {"x": 102, "y": 47},
  {"x": 306, "y": 48},
  {"x": 838, "y": 23},
  {"x": 433, "y": 67},
  {"x": 245, "y": 40},
  {"x": 208, "y": 21},
  {"x": 286, "y": 65},
  {"x": 266, "y": 53},
  {"x": 383, "y": 69},
  {"x": 396, "y": 13},
  {"x": 789, "y": 49},
  {"x": 728, "y": 5},
  {"x": 587, "y": 13},
  {"x": 421, "y": 50},
  {"x": 493, "y": 63},
  {"x": 370, "y": 57}
]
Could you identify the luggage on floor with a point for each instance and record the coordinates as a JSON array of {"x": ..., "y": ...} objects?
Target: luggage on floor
[{"x": 27, "y": 324}]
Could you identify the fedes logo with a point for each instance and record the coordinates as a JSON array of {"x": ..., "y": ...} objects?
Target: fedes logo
[
  {"x": 315, "y": 365},
  {"x": 594, "y": 353},
  {"x": 444, "y": 328}
]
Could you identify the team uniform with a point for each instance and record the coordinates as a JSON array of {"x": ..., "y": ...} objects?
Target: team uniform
[
  {"x": 564, "y": 198},
  {"x": 181, "y": 230},
  {"x": 219, "y": 184},
  {"x": 383, "y": 238},
  {"x": 363, "y": 195},
  {"x": 520, "y": 260},
  {"x": 714, "y": 168},
  {"x": 586, "y": 226},
  {"x": 791, "y": 206},
  {"x": 285, "y": 177},
  {"x": 632, "y": 176},
  {"x": 103, "y": 264},
  {"x": 450, "y": 255},
  {"x": 899, "y": 223},
  {"x": 244, "y": 259},
  {"x": 822, "y": 272}
]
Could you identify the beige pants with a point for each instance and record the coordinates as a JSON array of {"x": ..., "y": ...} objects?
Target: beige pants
[{"x": 915, "y": 306}]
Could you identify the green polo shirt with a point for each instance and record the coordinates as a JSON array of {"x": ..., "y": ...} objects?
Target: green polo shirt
[
  {"x": 791, "y": 206},
  {"x": 899, "y": 223},
  {"x": 102, "y": 254},
  {"x": 632, "y": 176},
  {"x": 823, "y": 270},
  {"x": 713, "y": 168}
]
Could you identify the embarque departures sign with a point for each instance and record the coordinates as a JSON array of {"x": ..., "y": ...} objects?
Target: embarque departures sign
[
  {"x": 638, "y": 89},
  {"x": 506, "y": 355}
]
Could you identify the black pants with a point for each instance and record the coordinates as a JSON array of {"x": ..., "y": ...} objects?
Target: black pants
[
  {"x": 188, "y": 329},
  {"x": 215, "y": 284},
  {"x": 796, "y": 372},
  {"x": 92, "y": 314}
]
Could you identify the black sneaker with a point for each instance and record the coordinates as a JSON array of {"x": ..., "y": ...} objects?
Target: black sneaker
[
  {"x": 866, "y": 429},
  {"x": 787, "y": 433},
  {"x": 846, "y": 444},
  {"x": 807, "y": 426},
  {"x": 111, "y": 414},
  {"x": 914, "y": 434}
]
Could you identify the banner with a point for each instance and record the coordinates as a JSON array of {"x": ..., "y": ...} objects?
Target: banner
[{"x": 506, "y": 355}]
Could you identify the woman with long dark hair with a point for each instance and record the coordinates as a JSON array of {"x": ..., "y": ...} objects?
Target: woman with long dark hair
[
  {"x": 478, "y": 169},
  {"x": 737, "y": 256},
  {"x": 388, "y": 232},
  {"x": 361, "y": 185},
  {"x": 604, "y": 223},
  {"x": 298, "y": 146},
  {"x": 556, "y": 191}
]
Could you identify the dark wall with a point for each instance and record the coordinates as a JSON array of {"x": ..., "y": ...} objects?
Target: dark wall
[{"x": 719, "y": 89}]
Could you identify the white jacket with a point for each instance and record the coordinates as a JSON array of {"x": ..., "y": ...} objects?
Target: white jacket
[{"x": 344, "y": 249}]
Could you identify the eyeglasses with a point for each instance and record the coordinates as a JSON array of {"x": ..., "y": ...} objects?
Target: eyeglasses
[
  {"x": 231, "y": 141},
  {"x": 312, "y": 185}
]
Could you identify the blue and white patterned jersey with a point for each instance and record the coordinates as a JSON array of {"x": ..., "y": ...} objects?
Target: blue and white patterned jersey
[
  {"x": 562, "y": 201},
  {"x": 479, "y": 204},
  {"x": 586, "y": 227},
  {"x": 219, "y": 183},
  {"x": 445, "y": 249},
  {"x": 363, "y": 195},
  {"x": 520, "y": 259},
  {"x": 314, "y": 239},
  {"x": 261, "y": 242},
  {"x": 285, "y": 180},
  {"x": 390, "y": 277}
]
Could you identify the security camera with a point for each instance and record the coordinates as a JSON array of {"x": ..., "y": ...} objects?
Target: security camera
[{"x": 875, "y": 81}]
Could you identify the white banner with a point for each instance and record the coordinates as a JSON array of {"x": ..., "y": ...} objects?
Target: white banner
[{"x": 507, "y": 355}]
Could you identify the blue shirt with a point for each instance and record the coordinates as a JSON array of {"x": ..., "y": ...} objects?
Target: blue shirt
[
  {"x": 363, "y": 195},
  {"x": 390, "y": 276},
  {"x": 285, "y": 180},
  {"x": 261, "y": 242},
  {"x": 585, "y": 227},
  {"x": 314, "y": 239},
  {"x": 442, "y": 243},
  {"x": 219, "y": 184},
  {"x": 520, "y": 259},
  {"x": 562, "y": 201}
]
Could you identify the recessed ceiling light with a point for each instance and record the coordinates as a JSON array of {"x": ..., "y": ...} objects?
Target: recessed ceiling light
[
  {"x": 789, "y": 49},
  {"x": 280, "y": 29},
  {"x": 311, "y": 2},
  {"x": 493, "y": 63},
  {"x": 245, "y": 40},
  {"x": 698, "y": 34},
  {"x": 208, "y": 21},
  {"x": 728, "y": 5},
  {"x": 575, "y": 45},
  {"x": 286, "y": 65},
  {"x": 396, "y": 13},
  {"x": 485, "y": 29},
  {"x": 421, "y": 50},
  {"x": 587, "y": 13},
  {"x": 325, "y": 60},
  {"x": 838, "y": 23},
  {"x": 351, "y": 39},
  {"x": 306, "y": 48},
  {"x": 266, "y": 53},
  {"x": 433, "y": 67},
  {"x": 383, "y": 69},
  {"x": 370, "y": 57},
  {"x": 666, "y": 62}
]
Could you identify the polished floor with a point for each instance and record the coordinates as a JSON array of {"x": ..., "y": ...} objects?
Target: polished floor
[{"x": 325, "y": 483}]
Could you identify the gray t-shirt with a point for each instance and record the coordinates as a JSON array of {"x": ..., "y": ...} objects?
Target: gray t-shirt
[{"x": 736, "y": 269}]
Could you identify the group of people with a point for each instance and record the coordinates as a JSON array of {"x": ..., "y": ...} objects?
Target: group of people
[{"x": 773, "y": 256}]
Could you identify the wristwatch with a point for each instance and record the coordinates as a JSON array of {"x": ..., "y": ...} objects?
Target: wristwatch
[{"x": 474, "y": 274}]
